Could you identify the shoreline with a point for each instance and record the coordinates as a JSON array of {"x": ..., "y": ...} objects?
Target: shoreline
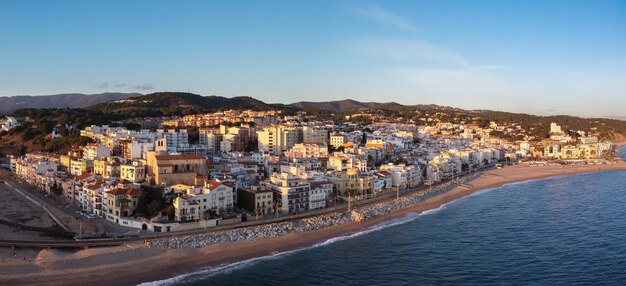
[{"x": 134, "y": 264}]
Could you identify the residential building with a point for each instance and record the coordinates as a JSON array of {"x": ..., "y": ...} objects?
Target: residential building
[
  {"x": 256, "y": 199},
  {"x": 174, "y": 169}
]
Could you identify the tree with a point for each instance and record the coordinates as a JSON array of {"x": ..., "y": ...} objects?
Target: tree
[
  {"x": 150, "y": 201},
  {"x": 63, "y": 130},
  {"x": 194, "y": 134},
  {"x": 153, "y": 208},
  {"x": 56, "y": 189}
]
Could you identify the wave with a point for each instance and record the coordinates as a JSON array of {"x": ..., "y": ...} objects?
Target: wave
[{"x": 227, "y": 268}]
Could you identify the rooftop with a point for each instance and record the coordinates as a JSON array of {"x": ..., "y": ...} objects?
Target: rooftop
[{"x": 179, "y": 157}]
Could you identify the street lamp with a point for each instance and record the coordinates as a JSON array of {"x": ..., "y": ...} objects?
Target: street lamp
[{"x": 349, "y": 200}]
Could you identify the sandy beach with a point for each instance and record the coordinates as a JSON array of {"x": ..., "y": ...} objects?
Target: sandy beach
[{"x": 134, "y": 263}]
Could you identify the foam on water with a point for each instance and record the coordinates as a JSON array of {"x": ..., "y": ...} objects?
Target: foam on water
[
  {"x": 467, "y": 244},
  {"x": 226, "y": 268}
]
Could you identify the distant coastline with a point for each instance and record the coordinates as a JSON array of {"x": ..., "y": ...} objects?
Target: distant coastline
[{"x": 100, "y": 266}]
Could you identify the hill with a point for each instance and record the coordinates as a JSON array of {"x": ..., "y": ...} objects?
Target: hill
[
  {"x": 350, "y": 105},
  {"x": 345, "y": 105},
  {"x": 609, "y": 129},
  {"x": 9, "y": 104},
  {"x": 179, "y": 103},
  {"x": 37, "y": 123}
]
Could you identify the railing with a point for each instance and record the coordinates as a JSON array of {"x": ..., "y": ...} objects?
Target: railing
[{"x": 291, "y": 217}]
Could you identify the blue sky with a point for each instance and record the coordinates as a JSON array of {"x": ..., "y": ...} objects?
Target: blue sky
[{"x": 540, "y": 57}]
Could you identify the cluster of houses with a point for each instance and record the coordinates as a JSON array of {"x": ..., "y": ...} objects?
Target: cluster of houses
[
  {"x": 228, "y": 116},
  {"x": 297, "y": 166},
  {"x": 7, "y": 123}
]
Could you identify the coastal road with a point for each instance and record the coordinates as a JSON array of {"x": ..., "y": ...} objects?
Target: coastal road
[{"x": 86, "y": 243}]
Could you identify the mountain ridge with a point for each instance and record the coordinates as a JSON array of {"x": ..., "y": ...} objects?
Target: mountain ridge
[
  {"x": 10, "y": 104},
  {"x": 36, "y": 123},
  {"x": 348, "y": 105}
]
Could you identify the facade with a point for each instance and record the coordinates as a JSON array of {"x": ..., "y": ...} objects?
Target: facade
[
  {"x": 121, "y": 202},
  {"x": 308, "y": 150},
  {"x": 588, "y": 140},
  {"x": 343, "y": 162},
  {"x": 175, "y": 169},
  {"x": 186, "y": 208},
  {"x": 106, "y": 168},
  {"x": 337, "y": 140},
  {"x": 256, "y": 199},
  {"x": 215, "y": 196},
  {"x": 291, "y": 192},
  {"x": 352, "y": 182},
  {"x": 96, "y": 151},
  {"x": 320, "y": 191},
  {"x": 314, "y": 134},
  {"x": 133, "y": 172},
  {"x": 277, "y": 139}
]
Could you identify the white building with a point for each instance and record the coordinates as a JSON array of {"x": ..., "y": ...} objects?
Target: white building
[
  {"x": 337, "y": 140},
  {"x": 291, "y": 191},
  {"x": 277, "y": 139},
  {"x": 555, "y": 128},
  {"x": 320, "y": 191},
  {"x": 215, "y": 196},
  {"x": 308, "y": 150},
  {"x": 7, "y": 123},
  {"x": 96, "y": 151}
]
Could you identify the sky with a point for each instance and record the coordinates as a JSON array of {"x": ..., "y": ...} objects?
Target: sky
[{"x": 538, "y": 57}]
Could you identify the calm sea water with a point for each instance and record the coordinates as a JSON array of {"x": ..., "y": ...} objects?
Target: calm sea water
[{"x": 568, "y": 230}]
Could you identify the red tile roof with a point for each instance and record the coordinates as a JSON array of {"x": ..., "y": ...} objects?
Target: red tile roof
[
  {"x": 124, "y": 192},
  {"x": 95, "y": 186},
  {"x": 210, "y": 184},
  {"x": 178, "y": 157},
  {"x": 82, "y": 177}
]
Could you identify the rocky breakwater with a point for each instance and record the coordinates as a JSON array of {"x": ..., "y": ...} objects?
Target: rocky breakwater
[{"x": 307, "y": 224}]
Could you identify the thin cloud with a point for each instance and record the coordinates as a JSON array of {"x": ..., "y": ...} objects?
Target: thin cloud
[
  {"x": 407, "y": 50},
  {"x": 382, "y": 16},
  {"x": 144, "y": 87},
  {"x": 103, "y": 85},
  {"x": 120, "y": 85}
]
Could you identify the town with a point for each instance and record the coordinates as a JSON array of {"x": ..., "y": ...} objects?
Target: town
[{"x": 240, "y": 166}]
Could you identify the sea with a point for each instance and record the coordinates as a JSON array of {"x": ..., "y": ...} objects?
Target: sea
[{"x": 566, "y": 230}]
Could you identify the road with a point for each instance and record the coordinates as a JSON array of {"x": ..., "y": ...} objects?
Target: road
[
  {"x": 66, "y": 215},
  {"x": 86, "y": 243}
]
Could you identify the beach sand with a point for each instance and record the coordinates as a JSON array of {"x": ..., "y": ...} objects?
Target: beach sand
[{"x": 133, "y": 263}]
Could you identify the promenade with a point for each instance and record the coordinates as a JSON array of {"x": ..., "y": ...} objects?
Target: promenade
[{"x": 359, "y": 213}]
